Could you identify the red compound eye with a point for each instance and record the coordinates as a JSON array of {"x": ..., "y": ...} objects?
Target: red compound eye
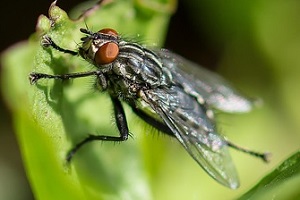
[
  {"x": 107, "y": 53},
  {"x": 108, "y": 31}
]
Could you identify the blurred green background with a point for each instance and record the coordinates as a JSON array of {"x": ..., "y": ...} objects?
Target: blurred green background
[{"x": 254, "y": 44}]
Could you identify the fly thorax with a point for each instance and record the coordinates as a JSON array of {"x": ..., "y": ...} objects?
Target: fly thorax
[
  {"x": 139, "y": 64},
  {"x": 124, "y": 70},
  {"x": 124, "y": 88}
]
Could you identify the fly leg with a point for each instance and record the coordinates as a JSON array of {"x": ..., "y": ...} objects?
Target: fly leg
[
  {"x": 47, "y": 42},
  {"x": 121, "y": 124},
  {"x": 264, "y": 156},
  {"x": 34, "y": 77}
]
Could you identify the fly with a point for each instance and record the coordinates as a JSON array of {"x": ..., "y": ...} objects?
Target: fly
[{"x": 168, "y": 92}]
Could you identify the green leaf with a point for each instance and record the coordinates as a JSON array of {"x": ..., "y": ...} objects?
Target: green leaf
[
  {"x": 52, "y": 116},
  {"x": 282, "y": 183}
]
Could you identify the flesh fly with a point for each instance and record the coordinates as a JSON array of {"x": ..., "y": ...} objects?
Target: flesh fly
[{"x": 168, "y": 92}]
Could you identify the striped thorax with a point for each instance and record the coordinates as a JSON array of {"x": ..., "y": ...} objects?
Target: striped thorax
[{"x": 130, "y": 66}]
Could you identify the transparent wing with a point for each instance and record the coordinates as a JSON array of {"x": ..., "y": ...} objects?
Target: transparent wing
[
  {"x": 188, "y": 121},
  {"x": 198, "y": 81}
]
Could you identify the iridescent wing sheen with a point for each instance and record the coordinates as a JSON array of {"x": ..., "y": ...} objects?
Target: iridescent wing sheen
[
  {"x": 188, "y": 121},
  {"x": 198, "y": 81}
]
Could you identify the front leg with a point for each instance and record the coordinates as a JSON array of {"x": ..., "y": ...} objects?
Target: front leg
[
  {"x": 121, "y": 124},
  {"x": 48, "y": 42},
  {"x": 34, "y": 77}
]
